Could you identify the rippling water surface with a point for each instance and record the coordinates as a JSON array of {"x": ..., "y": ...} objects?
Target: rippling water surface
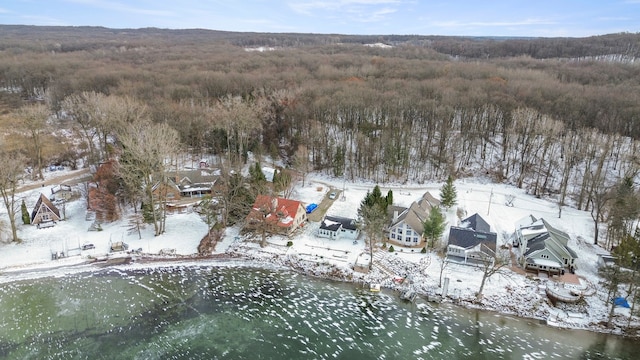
[{"x": 228, "y": 312}]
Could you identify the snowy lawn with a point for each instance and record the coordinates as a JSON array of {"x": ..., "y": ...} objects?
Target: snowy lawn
[{"x": 509, "y": 291}]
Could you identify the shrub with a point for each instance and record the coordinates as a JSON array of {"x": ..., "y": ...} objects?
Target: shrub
[
  {"x": 391, "y": 249},
  {"x": 424, "y": 250},
  {"x": 289, "y": 243},
  {"x": 26, "y": 218}
]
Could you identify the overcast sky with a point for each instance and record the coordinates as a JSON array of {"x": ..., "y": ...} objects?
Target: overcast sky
[{"x": 548, "y": 18}]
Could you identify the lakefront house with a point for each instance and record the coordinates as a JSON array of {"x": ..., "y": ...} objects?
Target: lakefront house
[
  {"x": 406, "y": 226},
  {"x": 280, "y": 214},
  {"x": 335, "y": 227},
  {"x": 542, "y": 247},
  {"x": 472, "y": 240}
]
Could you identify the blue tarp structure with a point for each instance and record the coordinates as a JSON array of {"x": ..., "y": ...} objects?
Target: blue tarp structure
[
  {"x": 311, "y": 207},
  {"x": 621, "y": 302}
]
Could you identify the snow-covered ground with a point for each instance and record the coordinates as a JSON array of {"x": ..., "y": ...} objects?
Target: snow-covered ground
[{"x": 508, "y": 292}]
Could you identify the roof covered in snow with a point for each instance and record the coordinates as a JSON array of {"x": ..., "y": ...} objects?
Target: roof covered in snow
[
  {"x": 333, "y": 223},
  {"x": 278, "y": 210}
]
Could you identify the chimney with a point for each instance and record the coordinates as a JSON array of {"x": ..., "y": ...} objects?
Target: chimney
[{"x": 395, "y": 215}]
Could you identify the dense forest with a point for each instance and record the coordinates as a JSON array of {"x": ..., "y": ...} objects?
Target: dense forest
[{"x": 559, "y": 117}]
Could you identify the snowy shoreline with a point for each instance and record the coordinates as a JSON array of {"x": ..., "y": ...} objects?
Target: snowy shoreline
[
  {"x": 509, "y": 293},
  {"x": 266, "y": 260}
]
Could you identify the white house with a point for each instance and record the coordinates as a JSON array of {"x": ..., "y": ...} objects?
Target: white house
[
  {"x": 334, "y": 227},
  {"x": 407, "y": 223},
  {"x": 543, "y": 247}
]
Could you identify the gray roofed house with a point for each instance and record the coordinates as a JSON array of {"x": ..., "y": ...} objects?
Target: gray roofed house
[
  {"x": 472, "y": 240},
  {"x": 477, "y": 223},
  {"x": 543, "y": 247},
  {"x": 428, "y": 200},
  {"x": 407, "y": 223},
  {"x": 335, "y": 227},
  {"x": 194, "y": 183}
]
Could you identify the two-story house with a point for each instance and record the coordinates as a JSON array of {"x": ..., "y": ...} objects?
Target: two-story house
[
  {"x": 542, "y": 247},
  {"x": 276, "y": 214},
  {"x": 406, "y": 226},
  {"x": 472, "y": 240}
]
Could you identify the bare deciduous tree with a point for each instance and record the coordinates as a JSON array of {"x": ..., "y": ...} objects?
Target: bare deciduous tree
[
  {"x": 301, "y": 162},
  {"x": 491, "y": 265},
  {"x": 240, "y": 120},
  {"x": 11, "y": 170},
  {"x": 33, "y": 120},
  {"x": 146, "y": 148}
]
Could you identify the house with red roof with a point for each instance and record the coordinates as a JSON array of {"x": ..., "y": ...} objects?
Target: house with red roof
[{"x": 276, "y": 214}]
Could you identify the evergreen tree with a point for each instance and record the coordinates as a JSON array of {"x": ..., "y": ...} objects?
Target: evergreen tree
[
  {"x": 375, "y": 198},
  {"x": 376, "y": 194},
  {"x": 282, "y": 182},
  {"x": 389, "y": 198},
  {"x": 256, "y": 174},
  {"x": 434, "y": 227},
  {"x": 624, "y": 212},
  {"x": 372, "y": 221},
  {"x": 338, "y": 162},
  {"x": 448, "y": 193},
  {"x": 237, "y": 199},
  {"x": 26, "y": 218},
  {"x": 372, "y": 215},
  {"x": 147, "y": 213}
]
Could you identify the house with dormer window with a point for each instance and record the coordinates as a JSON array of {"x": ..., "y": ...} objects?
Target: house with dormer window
[
  {"x": 542, "y": 247},
  {"x": 281, "y": 215},
  {"x": 406, "y": 226}
]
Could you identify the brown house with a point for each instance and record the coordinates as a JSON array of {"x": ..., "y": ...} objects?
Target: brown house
[
  {"x": 44, "y": 214},
  {"x": 166, "y": 190},
  {"x": 194, "y": 183}
]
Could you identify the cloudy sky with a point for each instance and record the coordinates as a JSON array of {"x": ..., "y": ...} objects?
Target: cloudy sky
[{"x": 547, "y": 18}]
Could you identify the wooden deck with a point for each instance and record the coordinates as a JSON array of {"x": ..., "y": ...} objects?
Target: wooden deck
[{"x": 562, "y": 294}]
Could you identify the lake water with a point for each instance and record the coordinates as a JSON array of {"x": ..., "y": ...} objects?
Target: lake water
[{"x": 232, "y": 312}]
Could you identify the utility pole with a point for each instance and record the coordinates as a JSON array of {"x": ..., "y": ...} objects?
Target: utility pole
[{"x": 490, "y": 197}]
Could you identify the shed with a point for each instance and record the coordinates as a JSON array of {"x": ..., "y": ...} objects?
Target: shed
[{"x": 61, "y": 192}]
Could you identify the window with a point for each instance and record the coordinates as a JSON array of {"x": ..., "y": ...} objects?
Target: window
[
  {"x": 399, "y": 231},
  {"x": 393, "y": 236},
  {"x": 409, "y": 232},
  {"x": 415, "y": 239}
]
